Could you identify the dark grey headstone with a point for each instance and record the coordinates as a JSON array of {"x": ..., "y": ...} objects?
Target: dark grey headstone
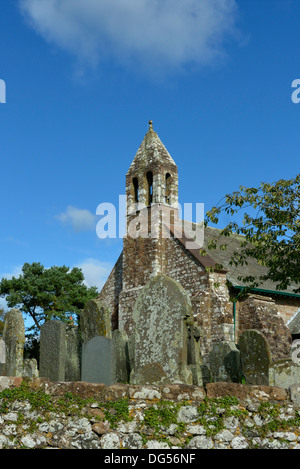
[
  {"x": 97, "y": 364},
  {"x": 225, "y": 363},
  {"x": 53, "y": 350}
]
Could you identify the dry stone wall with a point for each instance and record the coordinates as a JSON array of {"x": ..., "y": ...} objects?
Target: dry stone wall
[{"x": 40, "y": 414}]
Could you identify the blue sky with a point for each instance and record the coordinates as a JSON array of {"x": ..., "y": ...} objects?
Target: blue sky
[{"x": 83, "y": 78}]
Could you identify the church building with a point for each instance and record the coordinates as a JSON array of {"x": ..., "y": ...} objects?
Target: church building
[{"x": 156, "y": 243}]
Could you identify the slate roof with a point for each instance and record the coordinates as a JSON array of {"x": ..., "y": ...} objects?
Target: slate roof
[{"x": 217, "y": 257}]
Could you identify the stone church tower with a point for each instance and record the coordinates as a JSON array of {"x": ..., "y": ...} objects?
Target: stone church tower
[{"x": 152, "y": 196}]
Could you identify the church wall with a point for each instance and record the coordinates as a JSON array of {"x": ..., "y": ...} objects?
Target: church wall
[
  {"x": 261, "y": 313},
  {"x": 110, "y": 292},
  {"x": 213, "y": 310},
  {"x": 287, "y": 307}
]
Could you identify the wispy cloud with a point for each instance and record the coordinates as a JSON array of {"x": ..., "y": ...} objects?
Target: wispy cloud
[
  {"x": 78, "y": 219},
  {"x": 159, "y": 34}
]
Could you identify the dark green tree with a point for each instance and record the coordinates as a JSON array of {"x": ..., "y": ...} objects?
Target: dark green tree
[
  {"x": 44, "y": 294},
  {"x": 270, "y": 229}
]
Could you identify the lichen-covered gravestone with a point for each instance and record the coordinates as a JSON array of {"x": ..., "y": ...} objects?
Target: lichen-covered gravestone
[
  {"x": 159, "y": 342},
  {"x": 284, "y": 373},
  {"x": 72, "y": 365},
  {"x": 225, "y": 363},
  {"x": 255, "y": 357},
  {"x": 2, "y": 358},
  {"x": 14, "y": 338},
  {"x": 95, "y": 319}
]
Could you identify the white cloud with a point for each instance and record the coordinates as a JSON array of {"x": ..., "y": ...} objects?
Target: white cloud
[
  {"x": 148, "y": 33},
  {"x": 78, "y": 219},
  {"x": 16, "y": 272},
  {"x": 95, "y": 272}
]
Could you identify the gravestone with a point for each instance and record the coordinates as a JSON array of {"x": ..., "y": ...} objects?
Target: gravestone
[
  {"x": 106, "y": 360},
  {"x": 121, "y": 356},
  {"x": 194, "y": 355},
  {"x": 225, "y": 363},
  {"x": 97, "y": 363},
  {"x": 2, "y": 358},
  {"x": 30, "y": 369},
  {"x": 14, "y": 338},
  {"x": 53, "y": 350},
  {"x": 72, "y": 365},
  {"x": 255, "y": 357},
  {"x": 284, "y": 373},
  {"x": 95, "y": 319},
  {"x": 159, "y": 343}
]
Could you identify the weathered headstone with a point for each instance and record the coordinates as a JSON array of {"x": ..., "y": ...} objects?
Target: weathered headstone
[
  {"x": 159, "y": 343},
  {"x": 194, "y": 355},
  {"x": 284, "y": 373},
  {"x": 95, "y": 319},
  {"x": 106, "y": 360},
  {"x": 53, "y": 350},
  {"x": 30, "y": 369},
  {"x": 2, "y": 358},
  {"x": 255, "y": 357},
  {"x": 72, "y": 365},
  {"x": 121, "y": 356},
  {"x": 97, "y": 363},
  {"x": 2, "y": 351},
  {"x": 225, "y": 363},
  {"x": 14, "y": 338}
]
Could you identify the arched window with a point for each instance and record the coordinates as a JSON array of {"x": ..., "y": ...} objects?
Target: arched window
[
  {"x": 168, "y": 189},
  {"x": 135, "y": 183},
  {"x": 149, "y": 188}
]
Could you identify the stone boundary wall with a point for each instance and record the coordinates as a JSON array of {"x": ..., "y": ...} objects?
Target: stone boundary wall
[{"x": 170, "y": 417}]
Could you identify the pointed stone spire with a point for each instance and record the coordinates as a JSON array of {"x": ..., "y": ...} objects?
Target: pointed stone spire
[
  {"x": 153, "y": 175},
  {"x": 151, "y": 151}
]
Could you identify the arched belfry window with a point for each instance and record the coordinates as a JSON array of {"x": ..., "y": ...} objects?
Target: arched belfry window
[
  {"x": 135, "y": 183},
  {"x": 168, "y": 189},
  {"x": 149, "y": 188}
]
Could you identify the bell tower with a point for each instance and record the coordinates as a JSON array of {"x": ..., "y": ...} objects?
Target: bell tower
[
  {"x": 153, "y": 175},
  {"x": 152, "y": 195}
]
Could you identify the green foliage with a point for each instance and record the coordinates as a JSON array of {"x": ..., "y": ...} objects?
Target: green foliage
[
  {"x": 270, "y": 232},
  {"x": 116, "y": 411},
  {"x": 44, "y": 294},
  {"x": 163, "y": 414},
  {"x": 41, "y": 401}
]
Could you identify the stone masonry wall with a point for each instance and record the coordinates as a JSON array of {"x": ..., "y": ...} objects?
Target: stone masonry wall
[
  {"x": 110, "y": 293},
  {"x": 261, "y": 313},
  {"x": 40, "y": 414},
  {"x": 287, "y": 307}
]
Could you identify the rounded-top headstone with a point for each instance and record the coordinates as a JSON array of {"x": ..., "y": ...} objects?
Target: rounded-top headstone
[
  {"x": 256, "y": 357},
  {"x": 159, "y": 344}
]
